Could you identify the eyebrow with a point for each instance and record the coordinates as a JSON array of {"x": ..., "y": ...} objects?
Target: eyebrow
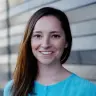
[
  {"x": 55, "y": 32},
  {"x": 50, "y": 32},
  {"x": 37, "y": 31}
]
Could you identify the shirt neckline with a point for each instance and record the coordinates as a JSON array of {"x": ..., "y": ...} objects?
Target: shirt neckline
[{"x": 59, "y": 82}]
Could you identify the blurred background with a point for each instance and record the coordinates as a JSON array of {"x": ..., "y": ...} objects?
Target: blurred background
[{"x": 14, "y": 15}]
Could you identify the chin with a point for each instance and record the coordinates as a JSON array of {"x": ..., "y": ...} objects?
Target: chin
[{"x": 46, "y": 62}]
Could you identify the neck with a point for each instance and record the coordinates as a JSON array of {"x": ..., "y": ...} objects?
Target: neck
[
  {"x": 51, "y": 72},
  {"x": 47, "y": 70}
]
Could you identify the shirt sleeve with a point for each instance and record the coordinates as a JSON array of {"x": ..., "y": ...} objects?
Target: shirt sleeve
[{"x": 7, "y": 89}]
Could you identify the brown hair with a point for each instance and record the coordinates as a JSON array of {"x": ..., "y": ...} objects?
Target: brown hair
[{"x": 26, "y": 69}]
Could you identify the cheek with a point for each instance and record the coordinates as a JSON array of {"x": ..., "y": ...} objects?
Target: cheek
[
  {"x": 34, "y": 45},
  {"x": 60, "y": 44}
]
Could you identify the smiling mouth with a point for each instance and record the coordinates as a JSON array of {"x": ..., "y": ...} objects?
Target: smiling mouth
[{"x": 46, "y": 52}]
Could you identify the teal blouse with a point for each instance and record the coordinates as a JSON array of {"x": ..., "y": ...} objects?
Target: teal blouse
[{"x": 71, "y": 86}]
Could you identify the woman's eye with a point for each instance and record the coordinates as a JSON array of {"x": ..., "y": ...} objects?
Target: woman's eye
[
  {"x": 37, "y": 36},
  {"x": 56, "y": 36}
]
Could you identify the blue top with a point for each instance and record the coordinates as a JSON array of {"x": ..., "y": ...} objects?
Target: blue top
[{"x": 71, "y": 86}]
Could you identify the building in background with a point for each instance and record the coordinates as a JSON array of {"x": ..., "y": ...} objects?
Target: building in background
[{"x": 14, "y": 15}]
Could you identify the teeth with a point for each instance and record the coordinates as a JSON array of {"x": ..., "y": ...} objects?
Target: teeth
[{"x": 46, "y": 53}]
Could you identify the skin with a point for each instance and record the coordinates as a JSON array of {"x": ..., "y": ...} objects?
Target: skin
[{"x": 48, "y": 42}]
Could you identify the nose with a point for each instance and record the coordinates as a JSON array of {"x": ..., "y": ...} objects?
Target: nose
[{"x": 46, "y": 42}]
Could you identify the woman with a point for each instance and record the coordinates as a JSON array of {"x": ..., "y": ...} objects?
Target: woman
[{"x": 46, "y": 46}]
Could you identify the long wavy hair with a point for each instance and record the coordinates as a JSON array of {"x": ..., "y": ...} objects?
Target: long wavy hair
[{"x": 26, "y": 70}]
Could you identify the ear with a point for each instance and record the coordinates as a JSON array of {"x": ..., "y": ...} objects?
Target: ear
[{"x": 66, "y": 45}]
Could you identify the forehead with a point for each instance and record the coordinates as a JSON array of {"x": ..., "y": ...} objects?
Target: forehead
[{"x": 48, "y": 23}]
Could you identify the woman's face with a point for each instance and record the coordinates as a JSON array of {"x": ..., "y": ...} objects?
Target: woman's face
[{"x": 48, "y": 40}]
